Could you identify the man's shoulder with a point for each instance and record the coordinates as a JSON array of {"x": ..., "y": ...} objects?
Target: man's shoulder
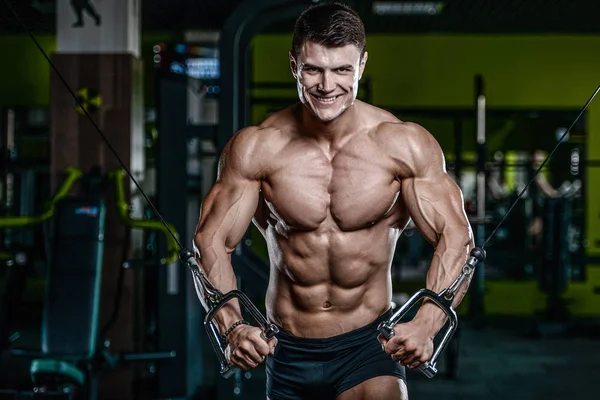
[
  {"x": 376, "y": 115},
  {"x": 257, "y": 145},
  {"x": 391, "y": 127},
  {"x": 409, "y": 143},
  {"x": 247, "y": 152},
  {"x": 403, "y": 132},
  {"x": 262, "y": 134},
  {"x": 273, "y": 126},
  {"x": 281, "y": 120},
  {"x": 252, "y": 135}
]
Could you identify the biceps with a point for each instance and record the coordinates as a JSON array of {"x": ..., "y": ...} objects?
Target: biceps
[
  {"x": 435, "y": 206},
  {"x": 226, "y": 213}
]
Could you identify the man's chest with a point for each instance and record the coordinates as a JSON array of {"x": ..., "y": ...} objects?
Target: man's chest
[{"x": 354, "y": 188}]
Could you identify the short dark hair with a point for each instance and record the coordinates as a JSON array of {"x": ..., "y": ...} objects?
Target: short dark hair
[{"x": 331, "y": 24}]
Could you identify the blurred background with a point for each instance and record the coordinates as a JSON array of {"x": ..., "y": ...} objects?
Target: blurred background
[{"x": 94, "y": 302}]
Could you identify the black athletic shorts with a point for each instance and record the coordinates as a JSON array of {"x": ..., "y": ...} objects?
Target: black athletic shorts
[{"x": 305, "y": 368}]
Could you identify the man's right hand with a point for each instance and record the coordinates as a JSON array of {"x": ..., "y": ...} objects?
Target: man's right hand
[{"x": 246, "y": 347}]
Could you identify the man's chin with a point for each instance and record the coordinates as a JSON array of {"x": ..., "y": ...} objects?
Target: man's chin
[
  {"x": 325, "y": 118},
  {"x": 326, "y": 115}
]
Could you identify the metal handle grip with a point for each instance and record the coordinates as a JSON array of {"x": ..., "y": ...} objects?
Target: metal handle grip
[
  {"x": 444, "y": 301},
  {"x": 219, "y": 345},
  {"x": 212, "y": 300},
  {"x": 386, "y": 328}
]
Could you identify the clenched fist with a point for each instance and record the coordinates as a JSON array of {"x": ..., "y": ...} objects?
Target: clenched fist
[
  {"x": 246, "y": 347},
  {"x": 411, "y": 345}
]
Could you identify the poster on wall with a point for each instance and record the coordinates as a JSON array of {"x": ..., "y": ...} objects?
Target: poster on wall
[{"x": 98, "y": 26}]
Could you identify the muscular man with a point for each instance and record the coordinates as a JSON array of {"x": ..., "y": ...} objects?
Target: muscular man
[{"x": 331, "y": 183}]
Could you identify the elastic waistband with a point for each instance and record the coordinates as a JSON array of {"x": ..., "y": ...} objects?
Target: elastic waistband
[{"x": 358, "y": 332}]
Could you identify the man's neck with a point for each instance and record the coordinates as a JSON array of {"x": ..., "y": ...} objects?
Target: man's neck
[{"x": 330, "y": 131}]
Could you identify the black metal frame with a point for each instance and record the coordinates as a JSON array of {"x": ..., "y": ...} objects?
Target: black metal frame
[{"x": 477, "y": 299}]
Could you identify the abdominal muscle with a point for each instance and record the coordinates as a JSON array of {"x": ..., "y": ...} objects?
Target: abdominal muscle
[{"x": 328, "y": 282}]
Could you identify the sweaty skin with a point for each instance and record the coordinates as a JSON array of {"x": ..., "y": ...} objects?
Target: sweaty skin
[{"x": 331, "y": 183}]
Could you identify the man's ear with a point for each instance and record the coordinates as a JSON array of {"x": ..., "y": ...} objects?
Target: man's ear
[
  {"x": 363, "y": 62},
  {"x": 293, "y": 65}
]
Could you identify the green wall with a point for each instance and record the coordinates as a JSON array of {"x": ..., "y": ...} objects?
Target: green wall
[
  {"x": 25, "y": 73},
  {"x": 519, "y": 71}
]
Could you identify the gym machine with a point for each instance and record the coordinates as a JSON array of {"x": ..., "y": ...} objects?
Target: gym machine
[
  {"x": 74, "y": 350},
  {"x": 17, "y": 260}
]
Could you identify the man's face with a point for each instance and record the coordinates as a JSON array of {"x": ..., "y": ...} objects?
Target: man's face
[{"x": 327, "y": 78}]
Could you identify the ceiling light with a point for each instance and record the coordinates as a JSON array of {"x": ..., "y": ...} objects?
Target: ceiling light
[{"x": 407, "y": 8}]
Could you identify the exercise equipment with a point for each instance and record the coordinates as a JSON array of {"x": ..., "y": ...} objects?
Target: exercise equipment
[
  {"x": 444, "y": 299},
  {"x": 555, "y": 269},
  {"x": 213, "y": 299},
  {"x": 476, "y": 300},
  {"x": 16, "y": 278},
  {"x": 72, "y": 304},
  {"x": 74, "y": 349},
  {"x": 17, "y": 261},
  {"x": 556, "y": 265},
  {"x": 72, "y": 175},
  {"x": 167, "y": 229}
]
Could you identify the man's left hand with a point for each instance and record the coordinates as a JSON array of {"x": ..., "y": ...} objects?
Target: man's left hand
[{"x": 412, "y": 344}]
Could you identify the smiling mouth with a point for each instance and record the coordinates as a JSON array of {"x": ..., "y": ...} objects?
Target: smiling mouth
[{"x": 325, "y": 100}]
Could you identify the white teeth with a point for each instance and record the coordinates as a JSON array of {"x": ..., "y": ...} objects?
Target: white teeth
[{"x": 327, "y": 99}]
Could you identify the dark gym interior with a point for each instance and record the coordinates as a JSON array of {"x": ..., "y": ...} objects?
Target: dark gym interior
[{"x": 95, "y": 302}]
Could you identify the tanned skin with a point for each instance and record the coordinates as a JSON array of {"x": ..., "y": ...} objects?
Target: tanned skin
[{"x": 331, "y": 183}]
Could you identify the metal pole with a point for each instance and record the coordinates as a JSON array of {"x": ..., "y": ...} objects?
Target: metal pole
[{"x": 477, "y": 292}]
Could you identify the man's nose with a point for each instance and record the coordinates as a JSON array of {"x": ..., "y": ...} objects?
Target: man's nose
[{"x": 327, "y": 82}]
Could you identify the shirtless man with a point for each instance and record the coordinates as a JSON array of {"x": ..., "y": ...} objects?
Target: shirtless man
[{"x": 331, "y": 183}]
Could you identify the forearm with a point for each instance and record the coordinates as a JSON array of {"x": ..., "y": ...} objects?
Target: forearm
[
  {"x": 226, "y": 212},
  {"x": 215, "y": 262},
  {"x": 451, "y": 253}
]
